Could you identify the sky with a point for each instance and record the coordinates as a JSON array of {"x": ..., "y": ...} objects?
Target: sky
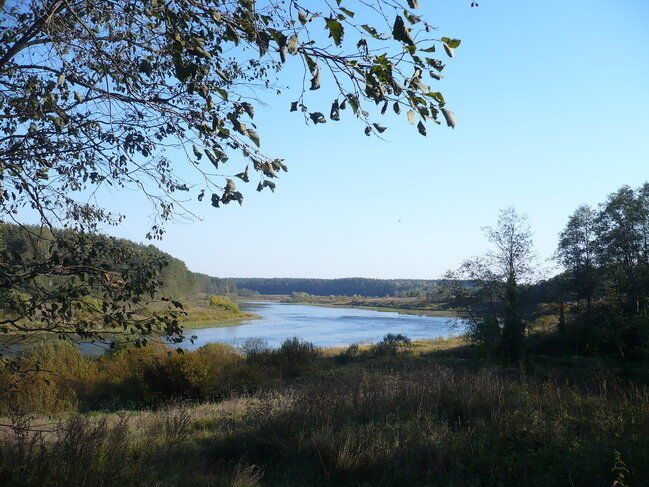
[{"x": 552, "y": 106}]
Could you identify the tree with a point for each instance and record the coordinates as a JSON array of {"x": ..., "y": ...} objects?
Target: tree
[
  {"x": 606, "y": 257},
  {"x": 488, "y": 287},
  {"x": 577, "y": 252},
  {"x": 93, "y": 92},
  {"x": 622, "y": 229}
]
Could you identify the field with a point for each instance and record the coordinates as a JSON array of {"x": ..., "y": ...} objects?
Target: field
[{"x": 429, "y": 413}]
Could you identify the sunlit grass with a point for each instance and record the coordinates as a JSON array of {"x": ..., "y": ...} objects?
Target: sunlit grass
[{"x": 349, "y": 416}]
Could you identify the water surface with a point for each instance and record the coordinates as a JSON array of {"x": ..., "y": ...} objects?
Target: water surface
[{"x": 325, "y": 326}]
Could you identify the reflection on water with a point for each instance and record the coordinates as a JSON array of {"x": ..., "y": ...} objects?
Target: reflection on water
[{"x": 325, "y": 326}]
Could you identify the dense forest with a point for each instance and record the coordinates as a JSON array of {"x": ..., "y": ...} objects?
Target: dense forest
[
  {"x": 342, "y": 287},
  {"x": 34, "y": 244}
]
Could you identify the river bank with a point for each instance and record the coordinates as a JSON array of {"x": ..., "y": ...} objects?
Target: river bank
[{"x": 408, "y": 305}]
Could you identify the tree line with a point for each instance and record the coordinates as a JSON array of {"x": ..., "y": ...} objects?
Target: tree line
[
  {"x": 341, "y": 287},
  {"x": 600, "y": 299},
  {"x": 605, "y": 252}
]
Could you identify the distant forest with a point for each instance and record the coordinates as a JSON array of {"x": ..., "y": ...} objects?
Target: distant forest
[
  {"x": 177, "y": 281},
  {"x": 343, "y": 287}
]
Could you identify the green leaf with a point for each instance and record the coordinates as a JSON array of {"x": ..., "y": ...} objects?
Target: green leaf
[
  {"x": 349, "y": 13},
  {"x": 243, "y": 176},
  {"x": 317, "y": 117},
  {"x": 379, "y": 128},
  {"x": 371, "y": 31},
  {"x": 413, "y": 19},
  {"x": 61, "y": 79},
  {"x": 301, "y": 17},
  {"x": 438, "y": 97},
  {"x": 249, "y": 109},
  {"x": 336, "y": 30},
  {"x": 254, "y": 136},
  {"x": 413, "y": 4},
  {"x": 396, "y": 107},
  {"x": 422, "y": 128},
  {"x": 221, "y": 92},
  {"x": 353, "y": 101},
  {"x": 436, "y": 63},
  {"x": 452, "y": 43},
  {"x": 230, "y": 186},
  {"x": 313, "y": 67},
  {"x": 315, "y": 81},
  {"x": 449, "y": 50},
  {"x": 266, "y": 184},
  {"x": 400, "y": 32},
  {"x": 335, "y": 111},
  {"x": 212, "y": 158},
  {"x": 197, "y": 152},
  {"x": 429, "y": 49}
]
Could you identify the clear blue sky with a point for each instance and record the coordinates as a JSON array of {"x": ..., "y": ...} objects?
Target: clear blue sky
[{"x": 552, "y": 104}]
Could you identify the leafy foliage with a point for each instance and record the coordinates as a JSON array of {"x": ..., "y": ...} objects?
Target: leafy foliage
[
  {"x": 72, "y": 284},
  {"x": 225, "y": 303},
  {"x": 93, "y": 92},
  {"x": 606, "y": 256}
]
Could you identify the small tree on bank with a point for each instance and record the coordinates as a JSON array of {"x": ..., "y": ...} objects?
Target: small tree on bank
[{"x": 488, "y": 288}]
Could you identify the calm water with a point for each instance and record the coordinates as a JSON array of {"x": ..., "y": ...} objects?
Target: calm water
[{"x": 324, "y": 326}]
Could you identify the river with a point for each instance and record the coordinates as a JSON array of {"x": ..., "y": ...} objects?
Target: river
[{"x": 324, "y": 326}]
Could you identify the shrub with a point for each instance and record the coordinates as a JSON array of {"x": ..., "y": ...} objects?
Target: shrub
[
  {"x": 351, "y": 352},
  {"x": 46, "y": 378},
  {"x": 391, "y": 345},
  {"x": 254, "y": 347},
  {"x": 222, "y": 302}
]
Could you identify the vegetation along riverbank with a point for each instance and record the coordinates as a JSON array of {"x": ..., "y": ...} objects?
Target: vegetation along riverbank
[{"x": 396, "y": 413}]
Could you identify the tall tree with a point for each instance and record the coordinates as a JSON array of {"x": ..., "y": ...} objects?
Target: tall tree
[{"x": 577, "y": 253}]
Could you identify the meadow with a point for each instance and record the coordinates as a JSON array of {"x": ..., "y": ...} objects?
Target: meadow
[{"x": 430, "y": 413}]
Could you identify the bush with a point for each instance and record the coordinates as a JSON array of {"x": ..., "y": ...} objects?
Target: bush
[
  {"x": 222, "y": 302},
  {"x": 294, "y": 356},
  {"x": 255, "y": 347},
  {"x": 47, "y": 378},
  {"x": 351, "y": 352},
  {"x": 391, "y": 345}
]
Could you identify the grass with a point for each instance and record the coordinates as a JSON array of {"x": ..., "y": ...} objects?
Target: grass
[{"x": 429, "y": 413}]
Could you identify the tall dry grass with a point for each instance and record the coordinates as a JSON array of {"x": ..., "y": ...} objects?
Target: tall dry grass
[{"x": 370, "y": 419}]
